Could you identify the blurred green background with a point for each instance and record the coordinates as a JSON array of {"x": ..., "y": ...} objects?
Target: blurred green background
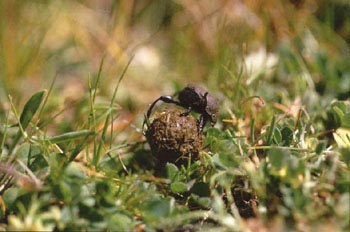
[{"x": 298, "y": 46}]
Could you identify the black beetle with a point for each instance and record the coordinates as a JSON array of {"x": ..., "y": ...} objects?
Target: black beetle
[{"x": 195, "y": 98}]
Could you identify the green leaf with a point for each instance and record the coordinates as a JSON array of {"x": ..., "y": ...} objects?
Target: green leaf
[
  {"x": 271, "y": 131},
  {"x": 345, "y": 120},
  {"x": 37, "y": 160},
  {"x": 226, "y": 160},
  {"x": 277, "y": 157},
  {"x": 277, "y": 136},
  {"x": 339, "y": 108},
  {"x": 201, "y": 201},
  {"x": 30, "y": 108},
  {"x": 287, "y": 135},
  {"x": 10, "y": 196},
  {"x": 70, "y": 136},
  {"x": 172, "y": 171},
  {"x": 120, "y": 222},
  {"x": 218, "y": 204},
  {"x": 338, "y": 115},
  {"x": 178, "y": 187},
  {"x": 345, "y": 154},
  {"x": 225, "y": 179},
  {"x": 91, "y": 213},
  {"x": 23, "y": 152},
  {"x": 28, "y": 112},
  {"x": 295, "y": 165},
  {"x": 201, "y": 189},
  {"x": 156, "y": 209},
  {"x": 321, "y": 146},
  {"x": 213, "y": 133}
]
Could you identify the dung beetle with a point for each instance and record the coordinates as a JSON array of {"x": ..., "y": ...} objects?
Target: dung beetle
[{"x": 195, "y": 98}]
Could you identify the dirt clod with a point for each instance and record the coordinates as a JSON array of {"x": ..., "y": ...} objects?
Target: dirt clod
[{"x": 174, "y": 137}]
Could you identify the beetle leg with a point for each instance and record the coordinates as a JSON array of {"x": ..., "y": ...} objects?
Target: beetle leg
[
  {"x": 187, "y": 112},
  {"x": 145, "y": 122},
  {"x": 201, "y": 124},
  {"x": 203, "y": 119},
  {"x": 166, "y": 99}
]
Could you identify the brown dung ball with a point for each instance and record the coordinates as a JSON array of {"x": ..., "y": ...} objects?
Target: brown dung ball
[{"x": 174, "y": 137}]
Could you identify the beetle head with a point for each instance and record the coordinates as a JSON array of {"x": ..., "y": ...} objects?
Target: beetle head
[
  {"x": 213, "y": 119},
  {"x": 212, "y": 109}
]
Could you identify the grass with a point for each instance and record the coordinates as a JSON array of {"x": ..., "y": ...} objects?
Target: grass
[{"x": 74, "y": 157}]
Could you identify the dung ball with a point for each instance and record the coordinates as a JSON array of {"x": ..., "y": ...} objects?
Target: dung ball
[{"x": 174, "y": 137}]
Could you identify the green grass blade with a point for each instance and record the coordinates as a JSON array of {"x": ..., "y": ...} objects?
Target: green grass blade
[
  {"x": 252, "y": 134},
  {"x": 108, "y": 120},
  {"x": 27, "y": 115},
  {"x": 271, "y": 130},
  {"x": 46, "y": 98},
  {"x": 120, "y": 79},
  {"x": 30, "y": 108},
  {"x": 5, "y": 133},
  {"x": 70, "y": 136},
  {"x": 98, "y": 77},
  {"x": 77, "y": 150}
]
